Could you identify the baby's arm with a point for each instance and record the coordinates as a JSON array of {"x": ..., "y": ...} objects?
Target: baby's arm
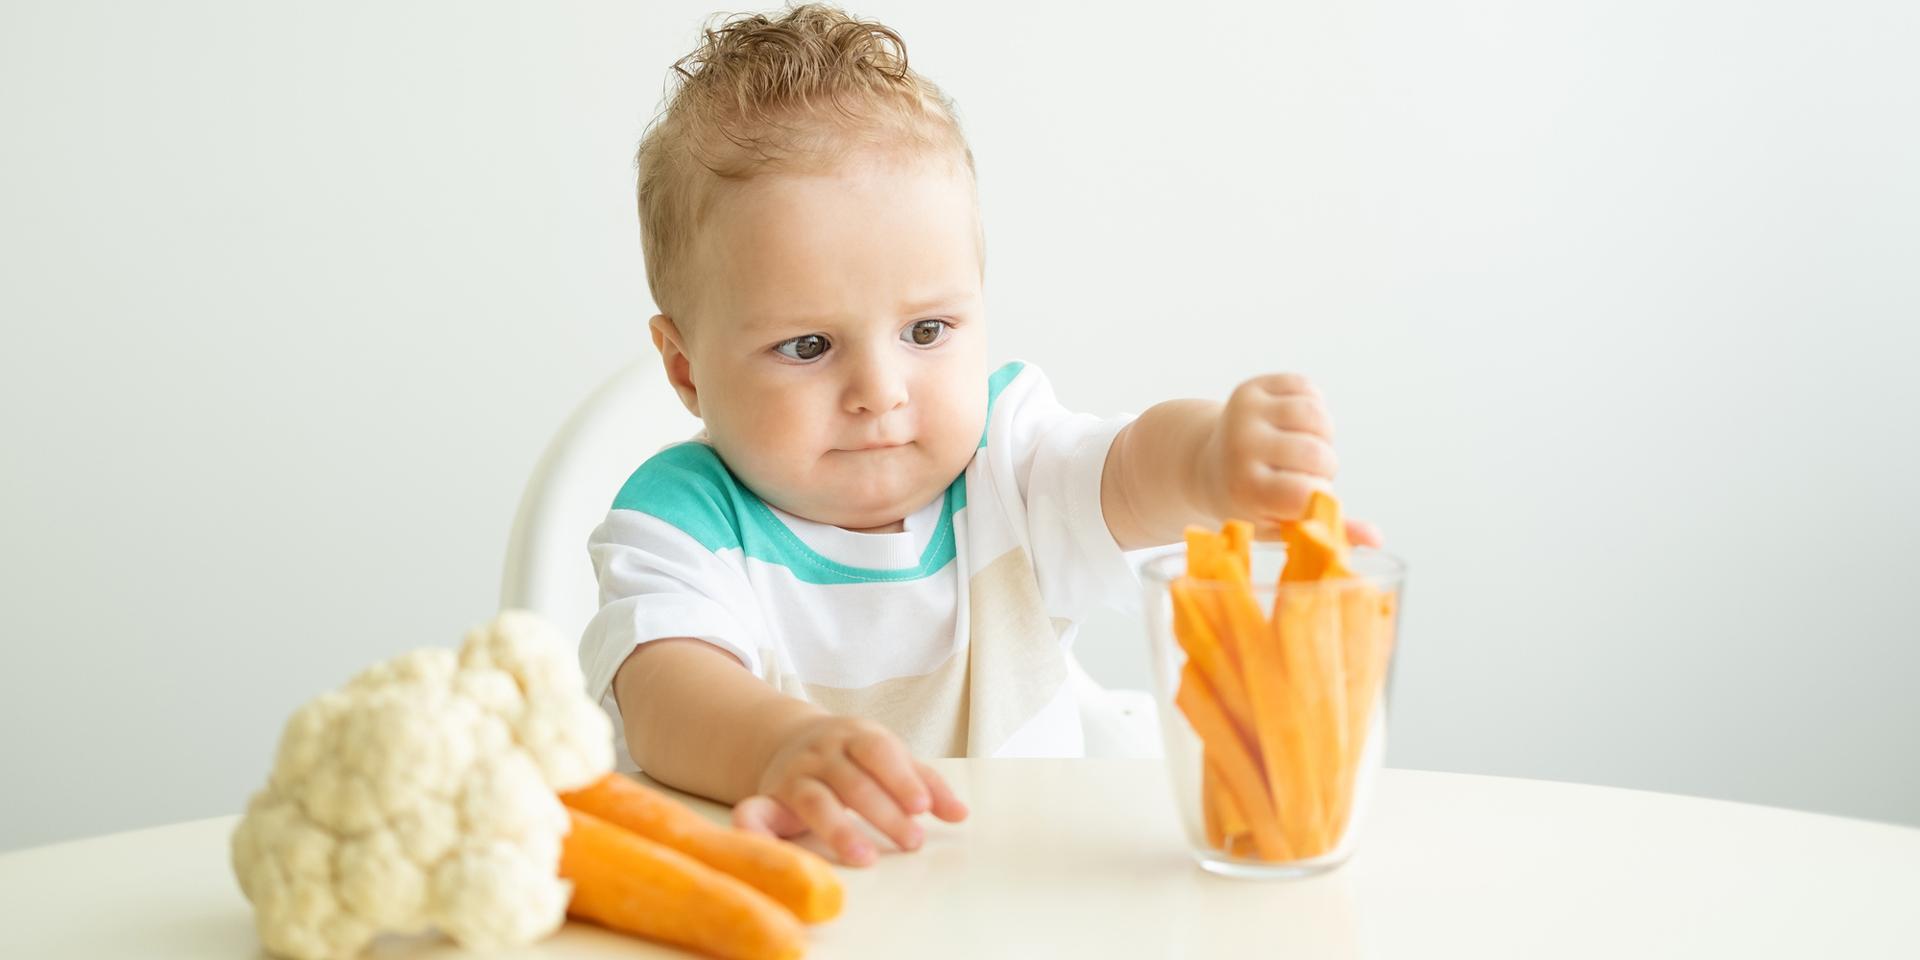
[
  {"x": 697, "y": 720},
  {"x": 1257, "y": 457}
]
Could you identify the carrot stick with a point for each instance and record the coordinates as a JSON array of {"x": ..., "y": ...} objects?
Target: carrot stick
[
  {"x": 1316, "y": 544},
  {"x": 1353, "y": 639},
  {"x": 795, "y": 877},
  {"x": 1204, "y": 552},
  {"x": 1208, "y": 561},
  {"x": 1238, "y": 535},
  {"x": 1324, "y": 646},
  {"x": 1202, "y": 628},
  {"x": 1238, "y": 772},
  {"x": 1367, "y": 627},
  {"x": 1313, "y": 627},
  {"x": 1209, "y": 651},
  {"x": 1303, "y": 634},
  {"x": 1281, "y": 716},
  {"x": 626, "y": 882},
  {"x": 1233, "y": 821}
]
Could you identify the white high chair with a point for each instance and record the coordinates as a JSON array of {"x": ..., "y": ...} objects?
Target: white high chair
[{"x": 627, "y": 419}]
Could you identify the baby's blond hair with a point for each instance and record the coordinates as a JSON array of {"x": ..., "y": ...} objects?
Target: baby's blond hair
[{"x": 797, "y": 93}]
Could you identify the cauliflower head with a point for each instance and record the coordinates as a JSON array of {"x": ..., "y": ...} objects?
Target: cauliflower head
[{"x": 422, "y": 794}]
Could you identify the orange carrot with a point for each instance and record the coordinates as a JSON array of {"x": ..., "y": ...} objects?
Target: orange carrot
[
  {"x": 1309, "y": 621},
  {"x": 1233, "y": 821},
  {"x": 797, "y": 878},
  {"x": 1367, "y": 629},
  {"x": 1205, "y": 551},
  {"x": 1238, "y": 773},
  {"x": 1317, "y": 543},
  {"x": 626, "y": 882},
  {"x": 1238, "y": 535},
  {"x": 1303, "y": 635},
  {"x": 1208, "y": 650},
  {"x": 1282, "y": 715},
  {"x": 1200, "y": 625}
]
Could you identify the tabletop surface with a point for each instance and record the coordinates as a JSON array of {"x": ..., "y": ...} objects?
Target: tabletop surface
[{"x": 1068, "y": 858}]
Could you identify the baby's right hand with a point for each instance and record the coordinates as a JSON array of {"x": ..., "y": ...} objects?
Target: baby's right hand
[{"x": 832, "y": 764}]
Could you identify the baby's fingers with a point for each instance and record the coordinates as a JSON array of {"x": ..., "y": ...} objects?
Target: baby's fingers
[
  {"x": 822, "y": 812},
  {"x": 1290, "y": 451},
  {"x": 887, "y": 761},
  {"x": 1363, "y": 534},
  {"x": 1278, "y": 495},
  {"x": 866, "y": 798},
  {"x": 764, "y": 814},
  {"x": 946, "y": 805}
]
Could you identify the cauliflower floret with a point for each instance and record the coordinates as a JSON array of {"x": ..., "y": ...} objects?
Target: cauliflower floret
[{"x": 422, "y": 794}]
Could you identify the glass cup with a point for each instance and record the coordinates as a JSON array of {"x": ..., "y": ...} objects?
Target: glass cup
[{"x": 1272, "y": 700}]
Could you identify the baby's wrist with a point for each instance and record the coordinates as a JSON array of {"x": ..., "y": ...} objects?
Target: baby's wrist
[{"x": 1206, "y": 485}]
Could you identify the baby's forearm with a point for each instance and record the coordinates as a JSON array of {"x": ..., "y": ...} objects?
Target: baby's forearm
[
  {"x": 699, "y": 722},
  {"x": 1150, "y": 488}
]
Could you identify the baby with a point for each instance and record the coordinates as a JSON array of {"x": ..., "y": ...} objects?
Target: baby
[{"x": 880, "y": 547}]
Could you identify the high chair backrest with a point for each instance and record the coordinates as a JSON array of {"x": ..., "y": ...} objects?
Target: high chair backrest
[{"x": 630, "y": 417}]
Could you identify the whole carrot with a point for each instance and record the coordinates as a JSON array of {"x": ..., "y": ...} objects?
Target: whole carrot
[
  {"x": 796, "y": 878},
  {"x": 629, "y": 883}
]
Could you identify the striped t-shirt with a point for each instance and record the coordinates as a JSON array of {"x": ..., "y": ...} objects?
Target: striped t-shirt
[{"x": 951, "y": 633}]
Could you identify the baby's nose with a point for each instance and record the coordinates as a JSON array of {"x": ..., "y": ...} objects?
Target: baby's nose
[{"x": 876, "y": 387}]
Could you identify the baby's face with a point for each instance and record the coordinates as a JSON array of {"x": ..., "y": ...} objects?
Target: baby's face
[{"x": 838, "y": 348}]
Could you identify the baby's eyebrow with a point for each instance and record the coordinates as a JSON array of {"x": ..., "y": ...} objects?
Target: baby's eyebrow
[
  {"x": 772, "y": 322},
  {"x": 930, "y": 304}
]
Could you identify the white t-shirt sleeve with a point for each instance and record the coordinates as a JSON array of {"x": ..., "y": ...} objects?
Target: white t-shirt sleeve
[
  {"x": 658, "y": 582},
  {"x": 1058, "y": 457}
]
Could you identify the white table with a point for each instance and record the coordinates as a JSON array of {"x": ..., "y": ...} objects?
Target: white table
[{"x": 1083, "y": 857}]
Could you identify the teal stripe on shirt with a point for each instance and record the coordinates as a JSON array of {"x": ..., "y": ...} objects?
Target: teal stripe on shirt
[
  {"x": 688, "y": 486},
  {"x": 995, "y": 384}
]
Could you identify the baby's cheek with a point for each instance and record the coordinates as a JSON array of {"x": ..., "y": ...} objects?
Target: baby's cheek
[
  {"x": 771, "y": 452},
  {"x": 955, "y": 429}
]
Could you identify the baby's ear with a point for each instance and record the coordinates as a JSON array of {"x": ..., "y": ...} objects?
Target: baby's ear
[{"x": 673, "y": 354}]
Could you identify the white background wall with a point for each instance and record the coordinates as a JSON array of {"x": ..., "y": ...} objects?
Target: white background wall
[{"x": 1615, "y": 303}]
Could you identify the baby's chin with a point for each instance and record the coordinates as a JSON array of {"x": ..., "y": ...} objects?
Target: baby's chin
[{"x": 866, "y": 512}]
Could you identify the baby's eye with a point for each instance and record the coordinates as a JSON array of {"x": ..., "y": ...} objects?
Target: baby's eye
[
  {"x": 803, "y": 349},
  {"x": 926, "y": 333}
]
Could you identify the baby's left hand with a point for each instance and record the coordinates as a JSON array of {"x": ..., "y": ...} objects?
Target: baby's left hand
[{"x": 1270, "y": 449}]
